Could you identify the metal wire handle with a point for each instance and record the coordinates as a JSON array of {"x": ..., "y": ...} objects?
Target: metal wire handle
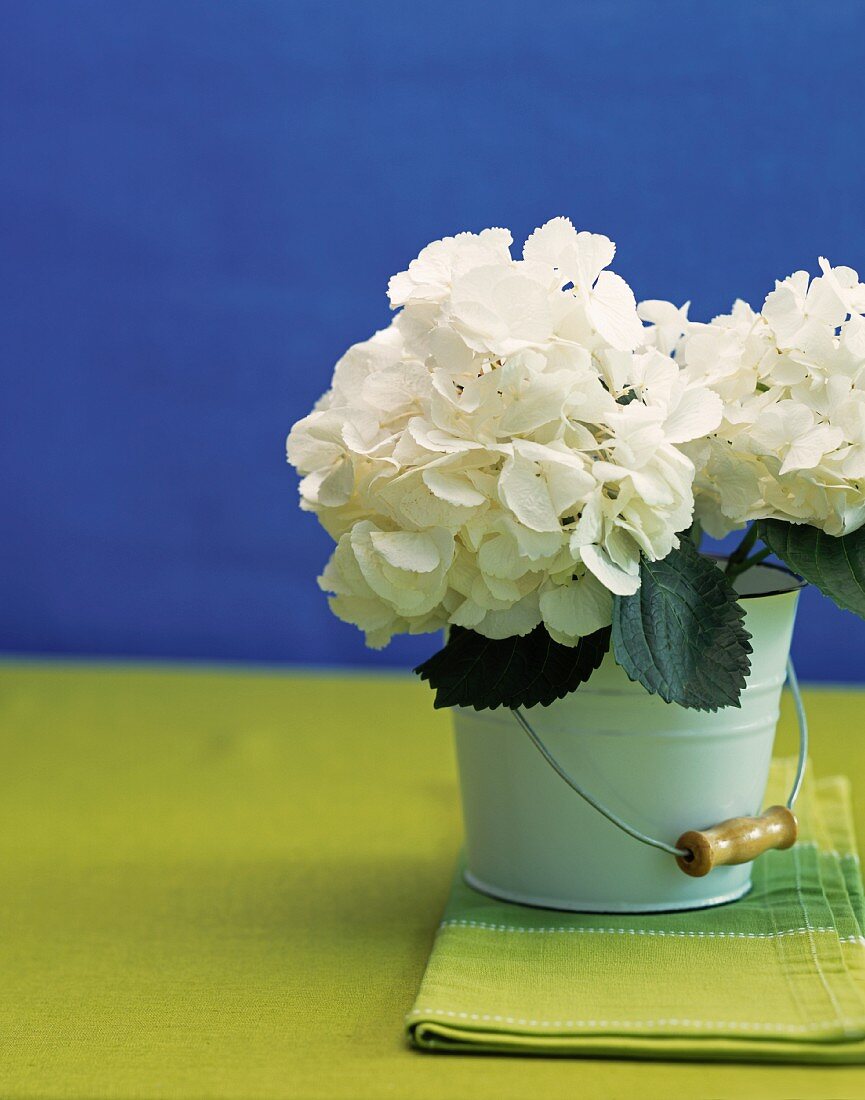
[{"x": 631, "y": 830}]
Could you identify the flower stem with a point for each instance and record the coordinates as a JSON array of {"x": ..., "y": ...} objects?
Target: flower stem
[
  {"x": 742, "y": 566},
  {"x": 740, "y": 554}
]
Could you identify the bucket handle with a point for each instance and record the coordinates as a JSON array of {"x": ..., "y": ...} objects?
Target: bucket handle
[{"x": 737, "y": 840}]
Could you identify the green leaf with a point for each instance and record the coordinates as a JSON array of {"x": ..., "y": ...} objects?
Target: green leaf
[
  {"x": 834, "y": 563},
  {"x": 681, "y": 634},
  {"x": 473, "y": 671}
]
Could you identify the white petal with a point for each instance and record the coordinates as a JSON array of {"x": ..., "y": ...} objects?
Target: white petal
[
  {"x": 368, "y": 614},
  {"x": 806, "y": 452},
  {"x": 555, "y": 243},
  {"x": 652, "y": 487},
  {"x": 396, "y": 388},
  {"x": 414, "y": 551},
  {"x": 668, "y": 323},
  {"x": 579, "y": 257},
  {"x": 577, "y": 609},
  {"x": 399, "y": 288},
  {"x": 541, "y": 403},
  {"x": 568, "y": 485},
  {"x": 535, "y": 545},
  {"x": 454, "y": 488},
  {"x": 853, "y": 336},
  {"x": 449, "y": 350},
  {"x": 590, "y": 524},
  {"x": 784, "y": 310},
  {"x": 526, "y": 494},
  {"x": 658, "y": 312},
  {"x": 824, "y": 302},
  {"x": 315, "y": 441},
  {"x": 331, "y": 487},
  {"x": 499, "y": 557},
  {"x": 594, "y": 253},
  {"x": 468, "y": 614},
  {"x": 501, "y": 310},
  {"x": 612, "y": 309},
  {"x": 611, "y": 576},
  {"x": 698, "y": 412},
  {"x": 429, "y": 276},
  {"x": 785, "y": 371},
  {"x": 520, "y": 619},
  {"x": 503, "y": 589},
  {"x": 417, "y": 506}
]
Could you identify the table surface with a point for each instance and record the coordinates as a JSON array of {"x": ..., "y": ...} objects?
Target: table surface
[{"x": 225, "y": 883}]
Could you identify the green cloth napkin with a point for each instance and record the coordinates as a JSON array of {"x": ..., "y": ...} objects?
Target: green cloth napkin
[{"x": 776, "y": 976}]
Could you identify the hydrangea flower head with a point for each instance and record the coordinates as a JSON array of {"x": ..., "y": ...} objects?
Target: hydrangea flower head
[
  {"x": 505, "y": 451},
  {"x": 791, "y": 445}
]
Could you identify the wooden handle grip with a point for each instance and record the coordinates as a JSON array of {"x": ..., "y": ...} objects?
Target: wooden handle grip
[{"x": 737, "y": 840}]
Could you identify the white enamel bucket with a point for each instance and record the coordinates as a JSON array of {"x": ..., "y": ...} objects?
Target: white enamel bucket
[{"x": 664, "y": 769}]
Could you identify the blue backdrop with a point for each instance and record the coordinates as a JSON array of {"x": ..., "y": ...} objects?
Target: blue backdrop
[{"x": 201, "y": 203}]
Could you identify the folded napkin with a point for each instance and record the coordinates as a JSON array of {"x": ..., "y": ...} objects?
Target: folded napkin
[{"x": 776, "y": 976}]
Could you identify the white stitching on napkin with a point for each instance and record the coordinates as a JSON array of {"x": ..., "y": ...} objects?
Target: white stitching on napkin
[
  {"x": 455, "y": 923},
  {"x": 850, "y": 1027},
  {"x": 812, "y": 944},
  {"x": 838, "y": 855}
]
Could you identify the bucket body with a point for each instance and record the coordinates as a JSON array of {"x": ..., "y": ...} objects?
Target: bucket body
[{"x": 664, "y": 769}]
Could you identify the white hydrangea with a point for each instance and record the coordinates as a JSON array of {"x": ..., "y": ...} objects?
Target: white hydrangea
[
  {"x": 505, "y": 450},
  {"x": 791, "y": 445}
]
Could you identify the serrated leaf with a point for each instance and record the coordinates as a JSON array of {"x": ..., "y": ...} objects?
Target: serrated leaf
[
  {"x": 834, "y": 563},
  {"x": 681, "y": 634},
  {"x": 474, "y": 671}
]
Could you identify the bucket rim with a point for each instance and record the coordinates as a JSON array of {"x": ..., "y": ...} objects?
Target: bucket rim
[{"x": 799, "y": 584}]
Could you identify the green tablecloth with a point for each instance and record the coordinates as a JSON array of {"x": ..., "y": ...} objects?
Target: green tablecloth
[{"x": 226, "y": 884}]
